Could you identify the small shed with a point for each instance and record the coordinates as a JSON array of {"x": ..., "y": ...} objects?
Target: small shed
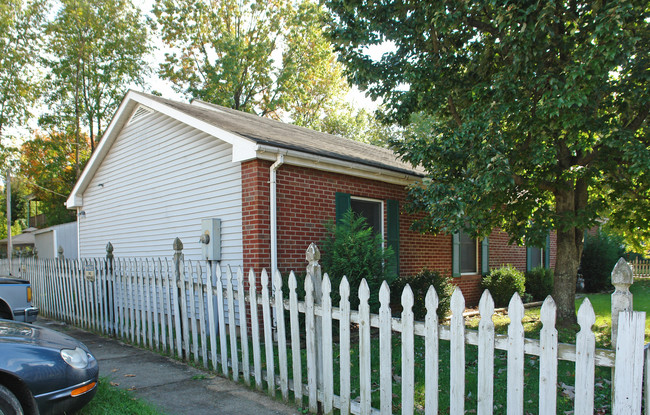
[{"x": 48, "y": 241}]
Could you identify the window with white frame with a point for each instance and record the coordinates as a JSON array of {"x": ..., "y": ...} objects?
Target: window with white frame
[{"x": 370, "y": 209}]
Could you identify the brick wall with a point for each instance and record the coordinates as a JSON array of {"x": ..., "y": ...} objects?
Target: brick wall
[{"x": 306, "y": 200}]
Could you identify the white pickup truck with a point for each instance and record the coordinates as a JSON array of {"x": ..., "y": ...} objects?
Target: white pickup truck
[{"x": 16, "y": 300}]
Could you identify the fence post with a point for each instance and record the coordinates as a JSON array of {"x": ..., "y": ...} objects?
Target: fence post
[
  {"x": 60, "y": 253},
  {"x": 178, "y": 257},
  {"x": 110, "y": 292},
  {"x": 629, "y": 364},
  {"x": 622, "y": 279},
  {"x": 622, "y": 297},
  {"x": 314, "y": 272}
]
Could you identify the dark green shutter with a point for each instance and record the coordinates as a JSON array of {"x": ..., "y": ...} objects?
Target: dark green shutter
[
  {"x": 547, "y": 252},
  {"x": 392, "y": 234},
  {"x": 455, "y": 255},
  {"x": 342, "y": 204},
  {"x": 485, "y": 256},
  {"x": 529, "y": 259}
]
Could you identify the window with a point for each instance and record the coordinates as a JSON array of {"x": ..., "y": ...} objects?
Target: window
[
  {"x": 371, "y": 210},
  {"x": 464, "y": 255},
  {"x": 535, "y": 258},
  {"x": 467, "y": 254},
  {"x": 539, "y": 257}
]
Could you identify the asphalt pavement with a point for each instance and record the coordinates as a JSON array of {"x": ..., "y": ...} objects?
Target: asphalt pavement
[{"x": 171, "y": 386}]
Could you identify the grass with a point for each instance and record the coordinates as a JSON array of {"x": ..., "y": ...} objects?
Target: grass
[{"x": 111, "y": 400}]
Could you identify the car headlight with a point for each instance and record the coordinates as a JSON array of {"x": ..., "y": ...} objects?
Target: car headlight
[{"x": 77, "y": 358}]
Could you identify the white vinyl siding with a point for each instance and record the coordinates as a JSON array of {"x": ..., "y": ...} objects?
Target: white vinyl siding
[{"x": 159, "y": 179}]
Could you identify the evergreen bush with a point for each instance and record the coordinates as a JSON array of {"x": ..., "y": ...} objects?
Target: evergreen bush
[
  {"x": 351, "y": 248},
  {"x": 539, "y": 283},
  {"x": 503, "y": 283},
  {"x": 420, "y": 284},
  {"x": 599, "y": 256}
]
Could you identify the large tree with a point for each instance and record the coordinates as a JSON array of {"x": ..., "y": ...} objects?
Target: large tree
[
  {"x": 528, "y": 116},
  {"x": 48, "y": 167},
  {"x": 266, "y": 57},
  {"x": 97, "y": 50},
  {"x": 20, "y": 41}
]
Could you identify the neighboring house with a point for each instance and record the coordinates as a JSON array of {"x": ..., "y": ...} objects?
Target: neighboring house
[
  {"x": 52, "y": 241},
  {"x": 163, "y": 166}
]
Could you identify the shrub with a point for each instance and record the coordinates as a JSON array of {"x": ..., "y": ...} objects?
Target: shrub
[
  {"x": 503, "y": 283},
  {"x": 420, "y": 284},
  {"x": 539, "y": 283},
  {"x": 599, "y": 256},
  {"x": 354, "y": 250}
]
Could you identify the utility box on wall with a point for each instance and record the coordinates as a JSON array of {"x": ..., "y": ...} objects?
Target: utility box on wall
[{"x": 211, "y": 239}]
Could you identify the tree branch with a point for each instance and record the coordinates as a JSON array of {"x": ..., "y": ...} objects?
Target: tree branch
[
  {"x": 544, "y": 185},
  {"x": 635, "y": 124},
  {"x": 480, "y": 25},
  {"x": 454, "y": 113}
]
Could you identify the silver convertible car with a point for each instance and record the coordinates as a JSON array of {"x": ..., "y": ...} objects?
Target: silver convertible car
[{"x": 43, "y": 371}]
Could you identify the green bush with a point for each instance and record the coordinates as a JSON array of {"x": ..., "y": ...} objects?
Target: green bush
[
  {"x": 599, "y": 256},
  {"x": 354, "y": 250},
  {"x": 539, "y": 283},
  {"x": 420, "y": 284},
  {"x": 503, "y": 283}
]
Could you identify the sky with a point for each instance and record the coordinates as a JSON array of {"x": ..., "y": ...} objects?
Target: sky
[{"x": 355, "y": 97}]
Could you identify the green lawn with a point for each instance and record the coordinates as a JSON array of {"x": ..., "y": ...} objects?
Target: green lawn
[{"x": 111, "y": 400}]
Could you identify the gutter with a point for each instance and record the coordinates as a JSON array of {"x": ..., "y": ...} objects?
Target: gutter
[
  {"x": 313, "y": 161},
  {"x": 274, "y": 213}
]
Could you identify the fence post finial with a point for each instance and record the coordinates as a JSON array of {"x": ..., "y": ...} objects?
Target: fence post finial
[
  {"x": 622, "y": 279},
  {"x": 60, "y": 252},
  {"x": 109, "y": 257}
]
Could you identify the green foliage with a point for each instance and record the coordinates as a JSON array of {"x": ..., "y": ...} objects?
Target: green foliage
[
  {"x": 97, "y": 50},
  {"x": 352, "y": 249},
  {"x": 48, "y": 165},
  {"x": 599, "y": 256},
  {"x": 539, "y": 283},
  {"x": 420, "y": 284},
  {"x": 270, "y": 58},
  {"x": 503, "y": 283},
  {"x": 526, "y": 116},
  {"x": 111, "y": 400},
  {"x": 358, "y": 125},
  {"x": 20, "y": 42}
]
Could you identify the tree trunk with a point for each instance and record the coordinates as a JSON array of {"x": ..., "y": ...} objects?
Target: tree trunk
[{"x": 569, "y": 251}]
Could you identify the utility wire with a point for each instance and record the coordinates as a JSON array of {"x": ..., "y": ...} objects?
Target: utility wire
[{"x": 41, "y": 187}]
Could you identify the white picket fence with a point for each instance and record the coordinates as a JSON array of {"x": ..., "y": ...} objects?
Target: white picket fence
[{"x": 288, "y": 346}]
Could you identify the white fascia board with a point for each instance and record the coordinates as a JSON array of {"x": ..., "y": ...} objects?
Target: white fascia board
[
  {"x": 243, "y": 149},
  {"x": 312, "y": 161}
]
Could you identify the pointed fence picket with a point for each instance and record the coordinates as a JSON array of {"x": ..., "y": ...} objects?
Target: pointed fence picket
[{"x": 189, "y": 308}]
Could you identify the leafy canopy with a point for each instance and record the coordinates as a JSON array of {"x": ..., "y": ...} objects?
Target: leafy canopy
[
  {"x": 266, "y": 57},
  {"x": 47, "y": 164},
  {"x": 97, "y": 50},
  {"x": 20, "y": 41},
  {"x": 526, "y": 116}
]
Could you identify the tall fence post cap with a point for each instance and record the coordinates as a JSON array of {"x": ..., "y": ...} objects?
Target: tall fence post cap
[
  {"x": 178, "y": 245},
  {"x": 60, "y": 250},
  {"x": 622, "y": 273},
  {"x": 109, "y": 247},
  {"x": 313, "y": 253}
]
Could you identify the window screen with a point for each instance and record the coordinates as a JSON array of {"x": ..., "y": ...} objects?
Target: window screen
[
  {"x": 370, "y": 210},
  {"x": 467, "y": 254}
]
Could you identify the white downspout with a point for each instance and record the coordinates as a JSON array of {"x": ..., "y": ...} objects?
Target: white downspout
[
  {"x": 274, "y": 214},
  {"x": 78, "y": 235}
]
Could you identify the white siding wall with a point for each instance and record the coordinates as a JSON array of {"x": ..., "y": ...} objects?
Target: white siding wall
[
  {"x": 47, "y": 241},
  {"x": 160, "y": 178}
]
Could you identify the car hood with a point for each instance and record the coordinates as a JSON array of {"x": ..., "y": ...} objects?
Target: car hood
[{"x": 15, "y": 332}]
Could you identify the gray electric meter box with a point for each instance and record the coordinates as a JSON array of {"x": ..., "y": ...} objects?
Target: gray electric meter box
[{"x": 211, "y": 239}]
